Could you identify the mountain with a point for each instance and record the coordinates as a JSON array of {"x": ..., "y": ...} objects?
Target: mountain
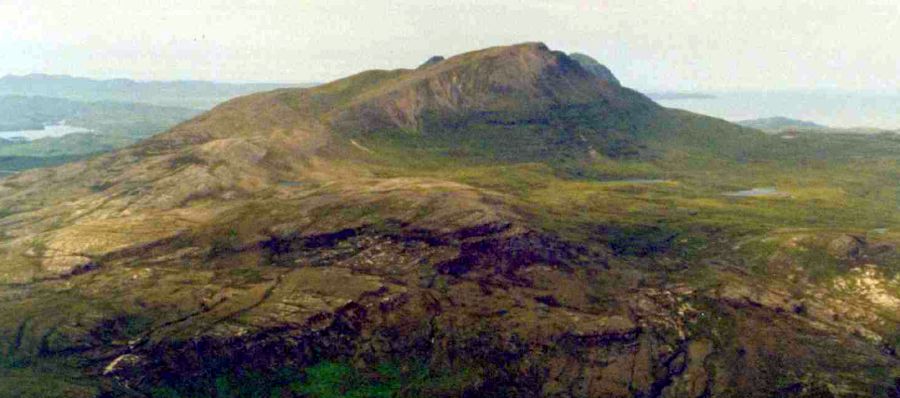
[
  {"x": 780, "y": 123},
  {"x": 501, "y": 223},
  {"x": 188, "y": 93}
]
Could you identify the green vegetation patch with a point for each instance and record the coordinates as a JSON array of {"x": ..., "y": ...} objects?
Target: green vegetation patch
[{"x": 327, "y": 379}]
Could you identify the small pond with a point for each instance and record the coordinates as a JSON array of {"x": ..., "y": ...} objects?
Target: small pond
[
  {"x": 755, "y": 192},
  {"x": 51, "y": 130}
]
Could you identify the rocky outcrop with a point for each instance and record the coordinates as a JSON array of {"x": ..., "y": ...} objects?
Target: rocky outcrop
[{"x": 523, "y": 318}]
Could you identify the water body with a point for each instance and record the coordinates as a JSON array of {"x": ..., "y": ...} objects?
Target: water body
[
  {"x": 642, "y": 181},
  {"x": 51, "y": 130},
  {"x": 755, "y": 192},
  {"x": 830, "y": 108}
]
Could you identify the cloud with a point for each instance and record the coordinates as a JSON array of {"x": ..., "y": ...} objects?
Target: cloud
[{"x": 672, "y": 44}]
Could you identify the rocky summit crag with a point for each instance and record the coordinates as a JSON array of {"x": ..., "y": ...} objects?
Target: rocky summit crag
[{"x": 500, "y": 223}]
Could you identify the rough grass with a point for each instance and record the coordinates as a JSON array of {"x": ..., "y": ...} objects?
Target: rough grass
[
  {"x": 827, "y": 184},
  {"x": 327, "y": 379}
]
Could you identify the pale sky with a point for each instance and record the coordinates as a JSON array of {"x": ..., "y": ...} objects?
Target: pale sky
[{"x": 649, "y": 44}]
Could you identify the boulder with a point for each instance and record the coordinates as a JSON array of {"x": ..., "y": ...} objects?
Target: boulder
[{"x": 846, "y": 246}]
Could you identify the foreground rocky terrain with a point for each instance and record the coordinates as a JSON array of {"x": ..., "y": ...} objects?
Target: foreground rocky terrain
[{"x": 491, "y": 224}]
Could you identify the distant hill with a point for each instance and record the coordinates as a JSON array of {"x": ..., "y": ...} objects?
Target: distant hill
[
  {"x": 780, "y": 123},
  {"x": 118, "y": 112},
  {"x": 33, "y": 113},
  {"x": 678, "y": 95},
  {"x": 110, "y": 125},
  {"x": 190, "y": 94}
]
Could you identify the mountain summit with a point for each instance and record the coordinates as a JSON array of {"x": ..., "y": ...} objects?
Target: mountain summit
[
  {"x": 504, "y": 222},
  {"x": 538, "y": 102}
]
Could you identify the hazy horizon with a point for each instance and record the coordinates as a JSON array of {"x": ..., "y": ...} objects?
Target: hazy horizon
[
  {"x": 676, "y": 45},
  {"x": 652, "y": 90}
]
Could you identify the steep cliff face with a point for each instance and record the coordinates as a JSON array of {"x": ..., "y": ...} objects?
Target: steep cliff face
[
  {"x": 442, "y": 218},
  {"x": 504, "y": 84}
]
